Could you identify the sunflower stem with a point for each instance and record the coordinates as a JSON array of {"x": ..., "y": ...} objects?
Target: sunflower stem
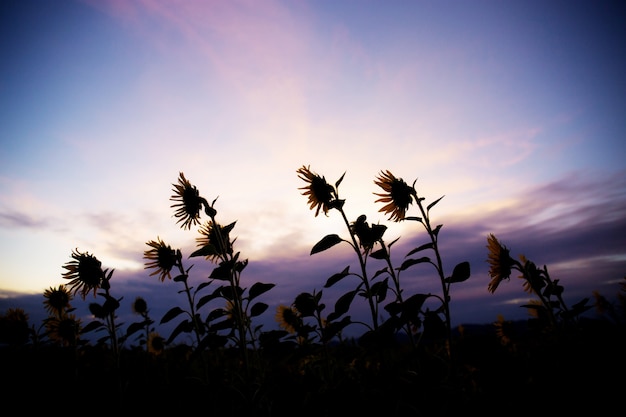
[{"x": 364, "y": 278}]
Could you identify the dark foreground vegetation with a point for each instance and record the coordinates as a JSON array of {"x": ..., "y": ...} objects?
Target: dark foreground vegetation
[{"x": 409, "y": 361}]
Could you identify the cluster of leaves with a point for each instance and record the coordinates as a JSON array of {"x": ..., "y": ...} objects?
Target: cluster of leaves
[{"x": 381, "y": 289}]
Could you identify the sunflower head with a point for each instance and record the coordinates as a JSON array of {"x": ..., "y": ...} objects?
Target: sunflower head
[
  {"x": 368, "y": 235},
  {"x": 85, "y": 272},
  {"x": 306, "y": 304},
  {"x": 162, "y": 258},
  {"x": 14, "y": 328},
  {"x": 500, "y": 262},
  {"x": 155, "y": 344},
  {"x": 57, "y": 300},
  {"x": 188, "y": 202},
  {"x": 504, "y": 330},
  {"x": 601, "y": 304},
  {"x": 288, "y": 318},
  {"x": 321, "y": 195},
  {"x": 140, "y": 306},
  {"x": 215, "y": 240},
  {"x": 398, "y": 195},
  {"x": 63, "y": 330},
  {"x": 533, "y": 280}
]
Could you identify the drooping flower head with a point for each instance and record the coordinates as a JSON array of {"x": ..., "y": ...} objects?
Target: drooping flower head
[
  {"x": 321, "y": 194},
  {"x": 215, "y": 239},
  {"x": 188, "y": 202},
  {"x": 368, "y": 235},
  {"x": 398, "y": 195},
  {"x": 57, "y": 300},
  {"x": 500, "y": 262},
  {"x": 287, "y": 318},
  {"x": 162, "y": 258},
  {"x": 85, "y": 272}
]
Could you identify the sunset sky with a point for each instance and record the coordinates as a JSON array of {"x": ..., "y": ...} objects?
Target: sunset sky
[{"x": 514, "y": 111}]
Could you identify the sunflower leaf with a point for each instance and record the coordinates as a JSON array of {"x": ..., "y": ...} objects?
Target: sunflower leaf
[
  {"x": 206, "y": 250},
  {"x": 183, "y": 326},
  {"x": 414, "y": 218},
  {"x": 258, "y": 309},
  {"x": 411, "y": 262},
  {"x": 337, "y": 277},
  {"x": 134, "y": 327},
  {"x": 342, "y": 305},
  {"x": 259, "y": 288},
  {"x": 419, "y": 248},
  {"x": 92, "y": 326},
  {"x": 173, "y": 313},
  {"x": 379, "y": 254},
  {"x": 460, "y": 273},
  {"x": 327, "y": 242},
  {"x": 433, "y": 203},
  {"x": 339, "y": 180}
]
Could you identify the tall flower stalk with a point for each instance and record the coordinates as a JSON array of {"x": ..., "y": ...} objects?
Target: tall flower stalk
[
  {"x": 231, "y": 321},
  {"x": 398, "y": 196},
  {"x": 140, "y": 306},
  {"x": 162, "y": 259},
  {"x": 325, "y": 197},
  {"x": 87, "y": 276}
]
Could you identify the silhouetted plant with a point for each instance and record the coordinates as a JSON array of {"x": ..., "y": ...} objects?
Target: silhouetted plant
[
  {"x": 140, "y": 306},
  {"x": 406, "y": 361},
  {"x": 86, "y": 275},
  {"x": 62, "y": 326},
  {"x": 325, "y": 197},
  {"x": 399, "y": 196},
  {"x": 613, "y": 311},
  {"x": 405, "y": 312},
  {"x": 232, "y": 319},
  {"x": 550, "y": 310},
  {"x": 162, "y": 258}
]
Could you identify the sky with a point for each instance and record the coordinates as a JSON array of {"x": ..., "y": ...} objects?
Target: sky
[{"x": 512, "y": 111}]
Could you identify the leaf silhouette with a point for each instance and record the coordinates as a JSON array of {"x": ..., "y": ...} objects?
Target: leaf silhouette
[
  {"x": 337, "y": 277},
  {"x": 419, "y": 248},
  {"x": 460, "y": 273},
  {"x": 327, "y": 242},
  {"x": 258, "y": 309},
  {"x": 342, "y": 305},
  {"x": 259, "y": 288},
  {"x": 173, "y": 313},
  {"x": 411, "y": 262}
]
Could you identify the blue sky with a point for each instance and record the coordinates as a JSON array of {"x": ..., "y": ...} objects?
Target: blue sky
[{"x": 512, "y": 110}]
